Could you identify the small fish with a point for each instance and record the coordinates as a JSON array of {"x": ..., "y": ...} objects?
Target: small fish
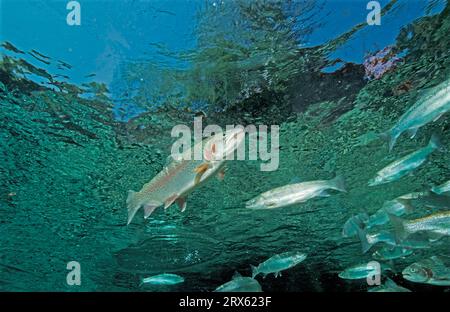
[
  {"x": 364, "y": 270},
  {"x": 406, "y": 164},
  {"x": 428, "y": 271},
  {"x": 352, "y": 225},
  {"x": 391, "y": 253},
  {"x": 163, "y": 279},
  {"x": 181, "y": 177},
  {"x": 389, "y": 286},
  {"x": 278, "y": 263},
  {"x": 292, "y": 194},
  {"x": 404, "y": 205},
  {"x": 442, "y": 189},
  {"x": 240, "y": 283},
  {"x": 369, "y": 240},
  {"x": 435, "y": 226},
  {"x": 434, "y": 103}
]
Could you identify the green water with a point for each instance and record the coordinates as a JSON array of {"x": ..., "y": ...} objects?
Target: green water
[{"x": 67, "y": 165}]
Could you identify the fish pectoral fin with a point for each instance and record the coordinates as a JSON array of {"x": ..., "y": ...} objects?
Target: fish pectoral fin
[
  {"x": 200, "y": 170},
  {"x": 149, "y": 208},
  {"x": 169, "y": 201},
  {"x": 181, "y": 202}
]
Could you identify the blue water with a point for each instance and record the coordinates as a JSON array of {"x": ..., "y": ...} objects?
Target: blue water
[{"x": 86, "y": 114}]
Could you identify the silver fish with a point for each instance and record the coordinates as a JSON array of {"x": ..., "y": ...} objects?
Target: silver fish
[
  {"x": 389, "y": 286},
  {"x": 295, "y": 193},
  {"x": 163, "y": 279},
  {"x": 431, "y": 271},
  {"x": 278, "y": 263},
  {"x": 442, "y": 189},
  {"x": 240, "y": 283},
  {"x": 177, "y": 180},
  {"x": 406, "y": 164},
  {"x": 434, "y": 103},
  {"x": 363, "y": 270},
  {"x": 435, "y": 226}
]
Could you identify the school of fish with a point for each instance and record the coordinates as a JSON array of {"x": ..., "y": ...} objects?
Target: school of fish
[{"x": 181, "y": 177}]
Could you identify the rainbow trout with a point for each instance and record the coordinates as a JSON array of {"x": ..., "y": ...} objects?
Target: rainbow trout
[{"x": 177, "y": 180}]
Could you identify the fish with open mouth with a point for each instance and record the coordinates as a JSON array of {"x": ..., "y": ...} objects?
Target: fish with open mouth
[{"x": 183, "y": 175}]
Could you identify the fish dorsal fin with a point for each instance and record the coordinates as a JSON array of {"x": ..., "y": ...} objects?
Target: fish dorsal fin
[{"x": 236, "y": 275}]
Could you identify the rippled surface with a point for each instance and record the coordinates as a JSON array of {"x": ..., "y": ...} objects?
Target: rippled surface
[{"x": 67, "y": 163}]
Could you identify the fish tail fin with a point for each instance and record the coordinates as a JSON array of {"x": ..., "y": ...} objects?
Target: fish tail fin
[
  {"x": 362, "y": 235},
  {"x": 390, "y": 138},
  {"x": 254, "y": 270},
  {"x": 435, "y": 143},
  {"x": 338, "y": 183},
  {"x": 133, "y": 205},
  {"x": 399, "y": 227}
]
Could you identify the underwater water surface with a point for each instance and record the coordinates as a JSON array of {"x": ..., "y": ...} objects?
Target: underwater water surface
[{"x": 87, "y": 112}]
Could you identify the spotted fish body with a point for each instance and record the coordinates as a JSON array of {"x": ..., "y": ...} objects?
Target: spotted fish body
[
  {"x": 435, "y": 225},
  {"x": 177, "y": 180},
  {"x": 278, "y": 263},
  {"x": 434, "y": 103}
]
